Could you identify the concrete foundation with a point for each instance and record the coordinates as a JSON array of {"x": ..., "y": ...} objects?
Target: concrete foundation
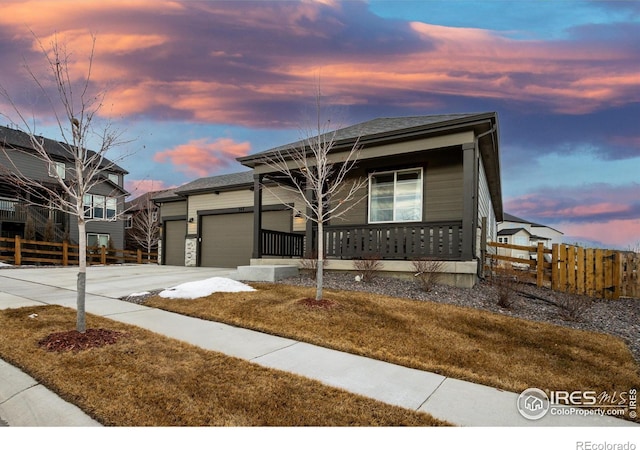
[
  {"x": 271, "y": 272},
  {"x": 454, "y": 273}
]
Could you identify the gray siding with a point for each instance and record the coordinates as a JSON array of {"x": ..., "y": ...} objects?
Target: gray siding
[{"x": 442, "y": 186}]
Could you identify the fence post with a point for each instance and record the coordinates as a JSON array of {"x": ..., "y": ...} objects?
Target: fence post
[
  {"x": 17, "y": 251},
  {"x": 139, "y": 256},
  {"x": 65, "y": 253},
  {"x": 103, "y": 255},
  {"x": 540, "y": 265}
]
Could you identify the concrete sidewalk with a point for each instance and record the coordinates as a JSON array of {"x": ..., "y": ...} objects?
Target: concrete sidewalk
[{"x": 24, "y": 402}]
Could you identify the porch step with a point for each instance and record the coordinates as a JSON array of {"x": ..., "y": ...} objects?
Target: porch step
[{"x": 265, "y": 273}]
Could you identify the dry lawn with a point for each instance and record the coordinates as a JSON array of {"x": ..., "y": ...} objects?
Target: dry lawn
[
  {"x": 145, "y": 379},
  {"x": 477, "y": 346}
]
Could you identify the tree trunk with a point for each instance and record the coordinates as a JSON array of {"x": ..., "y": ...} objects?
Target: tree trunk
[
  {"x": 81, "y": 325},
  {"x": 320, "y": 249}
]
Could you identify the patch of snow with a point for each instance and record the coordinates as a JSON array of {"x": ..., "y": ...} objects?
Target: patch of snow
[
  {"x": 197, "y": 289},
  {"x": 5, "y": 264},
  {"x": 139, "y": 294}
]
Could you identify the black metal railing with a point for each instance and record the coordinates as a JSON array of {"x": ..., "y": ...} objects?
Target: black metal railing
[{"x": 278, "y": 243}]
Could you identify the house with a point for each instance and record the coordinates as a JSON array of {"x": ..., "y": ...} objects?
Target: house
[
  {"x": 516, "y": 231},
  {"x": 538, "y": 232},
  {"x": 19, "y": 208},
  {"x": 142, "y": 222},
  {"x": 433, "y": 191}
]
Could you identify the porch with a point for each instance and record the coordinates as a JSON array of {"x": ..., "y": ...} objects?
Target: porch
[{"x": 438, "y": 240}]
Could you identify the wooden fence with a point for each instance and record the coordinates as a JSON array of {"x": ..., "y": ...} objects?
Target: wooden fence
[
  {"x": 607, "y": 274},
  {"x": 18, "y": 251}
]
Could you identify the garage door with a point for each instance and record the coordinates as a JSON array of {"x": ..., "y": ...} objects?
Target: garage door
[
  {"x": 173, "y": 243},
  {"x": 227, "y": 239}
]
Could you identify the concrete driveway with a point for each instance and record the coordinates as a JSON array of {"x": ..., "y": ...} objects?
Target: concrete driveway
[{"x": 57, "y": 285}]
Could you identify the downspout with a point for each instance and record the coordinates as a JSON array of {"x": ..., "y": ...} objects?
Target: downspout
[{"x": 477, "y": 199}]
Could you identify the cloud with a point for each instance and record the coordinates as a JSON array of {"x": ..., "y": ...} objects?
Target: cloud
[
  {"x": 202, "y": 157},
  {"x": 224, "y": 62},
  {"x": 615, "y": 234}
]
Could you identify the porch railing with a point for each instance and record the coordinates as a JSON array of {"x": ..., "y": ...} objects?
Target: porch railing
[
  {"x": 278, "y": 243},
  {"x": 442, "y": 240}
]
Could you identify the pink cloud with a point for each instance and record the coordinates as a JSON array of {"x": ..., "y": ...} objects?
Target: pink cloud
[
  {"x": 618, "y": 234},
  {"x": 202, "y": 157}
]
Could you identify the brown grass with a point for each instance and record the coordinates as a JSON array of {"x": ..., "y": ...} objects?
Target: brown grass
[
  {"x": 145, "y": 379},
  {"x": 477, "y": 346}
]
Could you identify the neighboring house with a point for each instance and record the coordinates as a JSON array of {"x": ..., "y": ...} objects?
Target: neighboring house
[
  {"x": 516, "y": 231},
  {"x": 105, "y": 201},
  {"x": 432, "y": 182},
  {"x": 142, "y": 222}
]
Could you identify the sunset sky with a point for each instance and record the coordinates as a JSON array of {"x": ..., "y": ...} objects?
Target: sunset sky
[{"x": 197, "y": 84}]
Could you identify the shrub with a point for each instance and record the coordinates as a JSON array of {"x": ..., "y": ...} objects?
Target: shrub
[
  {"x": 309, "y": 265},
  {"x": 505, "y": 281},
  {"x": 368, "y": 266},
  {"x": 428, "y": 272},
  {"x": 573, "y": 307}
]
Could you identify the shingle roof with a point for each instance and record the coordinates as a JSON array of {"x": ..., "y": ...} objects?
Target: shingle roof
[
  {"x": 511, "y": 231},
  {"x": 216, "y": 182},
  {"x": 382, "y": 126},
  {"x": 19, "y": 139}
]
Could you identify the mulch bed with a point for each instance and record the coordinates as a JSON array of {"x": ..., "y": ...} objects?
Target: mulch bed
[{"x": 76, "y": 341}]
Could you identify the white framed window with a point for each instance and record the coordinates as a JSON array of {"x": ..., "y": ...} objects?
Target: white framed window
[
  {"x": 503, "y": 240},
  {"x": 57, "y": 169},
  {"x": 128, "y": 222},
  {"x": 100, "y": 207},
  {"x": 97, "y": 240},
  {"x": 113, "y": 177},
  {"x": 521, "y": 240},
  {"x": 395, "y": 196}
]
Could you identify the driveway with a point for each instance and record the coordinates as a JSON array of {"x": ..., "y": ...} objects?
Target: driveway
[{"x": 57, "y": 285}]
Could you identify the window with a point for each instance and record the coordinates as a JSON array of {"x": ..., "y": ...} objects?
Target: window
[
  {"x": 521, "y": 240},
  {"x": 100, "y": 207},
  {"x": 97, "y": 240},
  {"x": 128, "y": 222},
  {"x": 396, "y": 196},
  {"x": 57, "y": 169},
  {"x": 503, "y": 240},
  {"x": 113, "y": 177}
]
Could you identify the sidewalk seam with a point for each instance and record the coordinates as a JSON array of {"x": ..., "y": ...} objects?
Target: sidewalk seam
[
  {"x": 273, "y": 351},
  {"x": 432, "y": 392}
]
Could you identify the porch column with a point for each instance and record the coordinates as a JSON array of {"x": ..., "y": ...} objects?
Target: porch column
[
  {"x": 257, "y": 215},
  {"x": 308, "y": 232},
  {"x": 469, "y": 192}
]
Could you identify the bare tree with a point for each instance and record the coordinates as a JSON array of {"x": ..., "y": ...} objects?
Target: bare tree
[
  {"x": 75, "y": 110},
  {"x": 145, "y": 226},
  {"x": 309, "y": 166}
]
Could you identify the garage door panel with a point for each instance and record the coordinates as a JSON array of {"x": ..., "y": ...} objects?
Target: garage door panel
[
  {"x": 227, "y": 239},
  {"x": 173, "y": 245}
]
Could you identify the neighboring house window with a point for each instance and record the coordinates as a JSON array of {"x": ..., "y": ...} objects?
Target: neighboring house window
[
  {"x": 154, "y": 216},
  {"x": 395, "y": 196},
  {"x": 57, "y": 169},
  {"x": 521, "y": 240},
  {"x": 97, "y": 240},
  {"x": 100, "y": 207},
  {"x": 503, "y": 240},
  {"x": 128, "y": 222},
  {"x": 113, "y": 177}
]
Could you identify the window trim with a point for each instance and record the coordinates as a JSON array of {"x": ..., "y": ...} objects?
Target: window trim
[
  {"x": 395, "y": 181},
  {"x": 98, "y": 235},
  {"x": 57, "y": 169},
  {"x": 89, "y": 204}
]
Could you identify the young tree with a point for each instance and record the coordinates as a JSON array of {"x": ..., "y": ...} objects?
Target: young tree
[
  {"x": 75, "y": 110},
  {"x": 146, "y": 226},
  {"x": 309, "y": 166}
]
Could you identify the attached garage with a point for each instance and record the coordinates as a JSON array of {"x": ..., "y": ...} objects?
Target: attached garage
[
  {"x": 174, "y": 235},
  {"x": 227, "y": 238}
]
